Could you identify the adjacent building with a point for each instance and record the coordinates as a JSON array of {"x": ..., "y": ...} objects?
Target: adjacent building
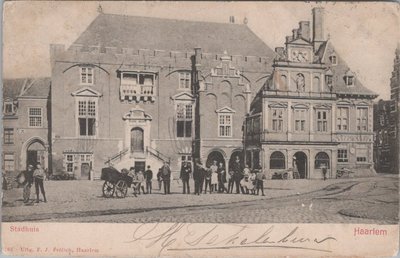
[
  {"x": 25, "y": 124},
  {"x": 395, "y": 111},
  {"x": 313, "y": 112},
  {"x": 383, "y": 155},
  {"x": 136, "y": 91}
]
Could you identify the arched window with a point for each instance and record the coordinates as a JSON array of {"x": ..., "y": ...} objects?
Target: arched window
[
  {"x": 283, "y": 83},
  {"x": 277, "y": 160},
  {"x": 316, "y": 84},
  {"x": 321, "y": 159}
]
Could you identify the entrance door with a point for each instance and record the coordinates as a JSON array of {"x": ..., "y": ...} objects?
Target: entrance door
[
  {"x": 140, "y": 166},
  {"x": 31, "y": 158},
  {"x": 137, "y": 144},
  {"x": 85, "y": 171},
  {"x": 300, "y": 161}
]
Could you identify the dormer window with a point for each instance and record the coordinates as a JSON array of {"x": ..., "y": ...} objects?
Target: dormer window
[
  {"x": 329, "y": 79},
  {"x": 8, "y": 108},
  {"x": 138, "y": 86},
  {"x": 333, "y": 59},
  {"x": 349, "y": 78},
  {"x": 86, "y": 74}
]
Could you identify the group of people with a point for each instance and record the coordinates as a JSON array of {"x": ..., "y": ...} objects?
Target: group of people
[
  {"x": 32, "y": 176},
  {"x": 217, "y": 180}
]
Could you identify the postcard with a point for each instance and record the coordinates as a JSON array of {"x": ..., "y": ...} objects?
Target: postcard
[{"x": 200, "y": 129}]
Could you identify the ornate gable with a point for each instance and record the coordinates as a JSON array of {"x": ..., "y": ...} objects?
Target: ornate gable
[
  {"x": 86, "y": 92},
  {"x": 183, "y": 96},
  {"x": 136, "y": 113},
  {"x": 225, "y": 109}
]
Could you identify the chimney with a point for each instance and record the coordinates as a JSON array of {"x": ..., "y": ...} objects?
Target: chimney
[
  {"x": 197, "y": 56},
  {"x": 318, "y": 25},
  {"x": 295, "y": 33},
  {"x": 231, "y": 19},
  {"x": 304, "y": 30}
]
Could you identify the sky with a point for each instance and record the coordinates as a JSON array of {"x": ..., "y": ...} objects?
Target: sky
[{"x": 364, "y": 34}]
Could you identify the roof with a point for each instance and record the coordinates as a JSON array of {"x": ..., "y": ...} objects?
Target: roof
[
  {"x": 339, "y": 71},
  {"x": 174, "y": 35},
  {"x": 26, "y": 87},
  {"x": 12, "y": 87}
]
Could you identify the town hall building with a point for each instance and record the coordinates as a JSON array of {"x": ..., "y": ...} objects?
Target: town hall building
[
  {"x": 312, "y": 113},
  {"x": 138, "y": 91}
]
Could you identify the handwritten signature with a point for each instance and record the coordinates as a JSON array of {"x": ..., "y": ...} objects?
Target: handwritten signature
[{"x": 189, "y": 237}]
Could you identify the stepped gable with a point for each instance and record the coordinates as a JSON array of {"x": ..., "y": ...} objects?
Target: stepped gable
[
  {"x": 339, "y": 72},
  {"x": 172, "y": 35}
]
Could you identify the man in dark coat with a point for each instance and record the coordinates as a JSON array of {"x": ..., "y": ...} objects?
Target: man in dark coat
[
  {"x": 186, "y": 170},
  {"x": 166, "y": 177},
  {"x": 148, "y": 175},
  {"x": 28, "y": 174},
  {"x": 198, "y": 177},
  {"x": 237, "y": 174}
]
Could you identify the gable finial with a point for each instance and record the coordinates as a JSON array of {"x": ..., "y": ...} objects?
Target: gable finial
[{"x": 99, "y": 8}]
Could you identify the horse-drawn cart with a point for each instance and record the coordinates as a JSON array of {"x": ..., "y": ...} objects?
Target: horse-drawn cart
[{"x": 115, "y": 182}]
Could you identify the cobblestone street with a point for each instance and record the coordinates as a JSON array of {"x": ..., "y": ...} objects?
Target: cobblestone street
[{"x": 361, "y": 200}]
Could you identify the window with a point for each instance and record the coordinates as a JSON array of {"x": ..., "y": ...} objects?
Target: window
[
  {"x": 8, "y": 162},
  {"x": 322, "y": 121},
  {"x": 299, "y": 120},
  {"x": 69, "y": 162},
  {"x": 86, "y": 75},
  {"x": 87, "y": 117},
  {"x": 184, "y": 80},
  {"x": 35, "y": 117},
  {"x": 349, "y": 80},
  {"x": 342, "y": 156},
  {"x": 362, "y": 119},
  {"x": 277, "y": 119},
  {"x": 184, "y": 119},
  {"x": 361, "y": 154},
  {"x": 283, "y": 83},
  {"x": 329, "y": 80},
  {"x": 277, "y": 160},
  {"x": 321, "y": 159},
  {"x": 333, "y": 59},
  {"x": 225, "y": 125},
  {"x": 342, "y": 118},
  {"x": 8, "y": 135},
  {"x": 8, "y": 107}
]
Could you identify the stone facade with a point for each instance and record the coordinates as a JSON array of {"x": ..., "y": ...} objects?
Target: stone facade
[
  {"x": 312, "y": 113},
  {"x": 132, "y": 107},
  {"x": 383, "y": 157},
  {"x": 25, "y": 124},
  {"x": 395, "y": 111}
]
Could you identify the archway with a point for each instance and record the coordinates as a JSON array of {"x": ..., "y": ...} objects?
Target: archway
[
  {"x": 36, "y": 153},
  {"x": 300, "y": 161},
  {"x": 236, "y": 153},
  {"x": 137, "y": 140},
  {"x": 215, "y": 155}
]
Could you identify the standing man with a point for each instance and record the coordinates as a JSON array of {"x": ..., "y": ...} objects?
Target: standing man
[
  {"x": 186, "y": 170},
  {"x": 148, "y": 175},
  {"x": 166, "y": 177},
  {"x": 38, "y": 176},
  {"x": 159, "y": 179},
  {"x": 324, "y": 170},
  {"x": 198, "y": 176},
  {"x": 28, "y": 183},
  {"x": 237, "y": 174}
]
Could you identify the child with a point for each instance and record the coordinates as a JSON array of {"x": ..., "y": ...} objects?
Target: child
[
  {"x": 135, "y": 182},
  {"x": 260, "y": 177},
  {"x": 140, "y": 178},
  {"x": 252, "y": 182}
]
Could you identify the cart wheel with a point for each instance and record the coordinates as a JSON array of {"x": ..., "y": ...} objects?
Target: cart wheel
[
  {"x": 108, "y": 189},
  {"x": 285, "y": 176},
  {"x": 121, "y": 189}
]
